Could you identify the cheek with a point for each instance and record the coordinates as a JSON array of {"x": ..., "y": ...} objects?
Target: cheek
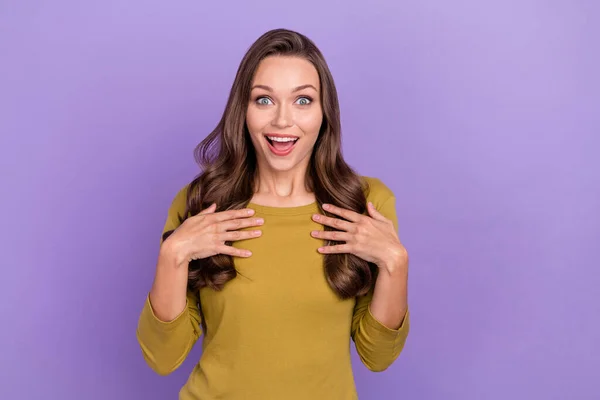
[
  {"x": 255, "y": 121},
  {"x": 310, "y": 123}
]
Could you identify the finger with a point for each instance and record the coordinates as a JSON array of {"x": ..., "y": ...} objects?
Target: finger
[
  {"x": 238, "y": 235},
  {"x": 209, "y": 210},
  {"x": 334, "y": 222},
  {"x": 335, "y": 249},
  {"x": 373, "y": 212},
  {"x": 332, "y": 235},
  {"x": 233, "y": 214},
  {"x": 342, "y": 212},
  {"x": 233, "y": 251},
  {"x": 239, "y": 223}
]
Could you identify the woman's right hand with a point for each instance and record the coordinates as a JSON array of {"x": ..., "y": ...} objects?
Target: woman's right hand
[{"x": 204, "y": 235}]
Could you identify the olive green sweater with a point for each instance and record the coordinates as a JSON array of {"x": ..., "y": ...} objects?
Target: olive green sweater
[{"x": 277, "y": 331}]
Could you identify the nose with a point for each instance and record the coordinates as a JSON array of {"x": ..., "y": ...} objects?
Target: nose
[{"x": 283, "y": 117}]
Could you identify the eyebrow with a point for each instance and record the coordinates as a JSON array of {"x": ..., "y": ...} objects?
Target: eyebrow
[{"x": 296, "y": 89}]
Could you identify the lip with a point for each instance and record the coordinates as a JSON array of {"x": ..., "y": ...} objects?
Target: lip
[
  {"x": 281, "y": 135},
  {"x": 278, "y": 152}
]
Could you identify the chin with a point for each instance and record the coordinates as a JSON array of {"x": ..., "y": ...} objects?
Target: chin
[{"x": 282, "y": 165}]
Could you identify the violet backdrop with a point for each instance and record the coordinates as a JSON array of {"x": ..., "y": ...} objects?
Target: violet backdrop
[{"x": 482, "y": 116}]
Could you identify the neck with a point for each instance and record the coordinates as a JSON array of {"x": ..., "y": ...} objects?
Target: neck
[{"x": 281, "y": 188}]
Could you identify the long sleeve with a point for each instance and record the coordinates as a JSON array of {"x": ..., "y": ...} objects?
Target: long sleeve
[
  {"x": 377, "y": 345},
  {"x": 166, "y": 344}
]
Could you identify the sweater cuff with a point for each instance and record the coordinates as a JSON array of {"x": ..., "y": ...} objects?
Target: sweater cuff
[
  {"x": 383, "y": 330},
  {"x": 158, "y": 324}
]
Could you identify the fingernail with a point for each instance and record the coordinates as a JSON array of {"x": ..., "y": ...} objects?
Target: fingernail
[
  {"x": 326, "y": 206},
  {"x": 250, "y": 212},
  {"x": 257, "y": 232},
  {"x": 260, "y": 221},
  {"x": 317, "y": 217}
]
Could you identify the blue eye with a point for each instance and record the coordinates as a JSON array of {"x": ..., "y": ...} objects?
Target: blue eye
[
  {"x": 263, "y": 101},
  {"x": 304, "y": 101}
]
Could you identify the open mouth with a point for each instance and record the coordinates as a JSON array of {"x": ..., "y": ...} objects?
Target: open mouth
[{"x": 281, "y": 145}]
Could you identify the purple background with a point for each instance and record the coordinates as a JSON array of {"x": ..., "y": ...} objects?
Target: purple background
[{"x": 483, "y": 117}]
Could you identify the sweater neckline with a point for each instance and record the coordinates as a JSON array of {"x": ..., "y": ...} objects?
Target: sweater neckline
[{"x": 295, "y": 210}]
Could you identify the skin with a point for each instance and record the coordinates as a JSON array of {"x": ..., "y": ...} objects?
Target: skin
[{"x": 285, "y": 99}]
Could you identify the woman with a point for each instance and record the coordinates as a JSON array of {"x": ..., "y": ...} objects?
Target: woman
[{"x": 277, "y": 253}]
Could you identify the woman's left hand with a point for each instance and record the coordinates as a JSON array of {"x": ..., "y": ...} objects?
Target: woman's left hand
[{"x": 372, "y": 238}]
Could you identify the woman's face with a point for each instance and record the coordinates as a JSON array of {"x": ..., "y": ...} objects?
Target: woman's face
[{"x": 284, "y": 114}]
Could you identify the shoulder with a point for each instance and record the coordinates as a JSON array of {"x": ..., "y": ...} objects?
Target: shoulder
[
  {"x": 177, "y": 209},
  {"x": 382, "y": 197},
  {"x": 179, "y": 202},
  {"x": 376, "y": 191}
]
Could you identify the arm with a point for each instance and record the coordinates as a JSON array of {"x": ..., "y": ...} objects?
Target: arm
[
  {"x": 166, "y": 344},
  {"x": 380, "y": 323},
  {"x": 169, "y": 324}
]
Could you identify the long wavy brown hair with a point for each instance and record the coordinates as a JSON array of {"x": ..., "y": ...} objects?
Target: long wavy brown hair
[{"x": 228, "y": 162}]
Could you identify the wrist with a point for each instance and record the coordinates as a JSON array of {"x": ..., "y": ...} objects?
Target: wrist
[
  {"x": 172, "y": 254},
  {"x": 393, "y": 273},
  {"x": 396, "y": 266}
]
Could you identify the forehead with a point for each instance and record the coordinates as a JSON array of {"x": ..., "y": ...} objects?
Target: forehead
[{"x": 285, "y": 72}]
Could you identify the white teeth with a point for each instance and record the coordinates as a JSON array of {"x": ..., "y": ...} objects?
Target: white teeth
[{"x": 282, "y": 139}]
